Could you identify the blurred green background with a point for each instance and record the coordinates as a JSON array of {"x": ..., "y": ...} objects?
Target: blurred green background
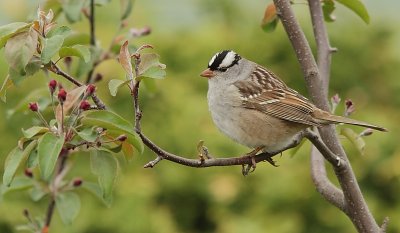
[{"x": 171, "y": 198}]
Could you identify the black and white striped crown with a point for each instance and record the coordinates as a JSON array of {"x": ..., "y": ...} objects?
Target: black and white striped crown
[{"x": 223, "y": 60}]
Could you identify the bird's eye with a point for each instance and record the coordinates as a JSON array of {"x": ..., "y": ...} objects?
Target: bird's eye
[{"x": 223, "y": 69}]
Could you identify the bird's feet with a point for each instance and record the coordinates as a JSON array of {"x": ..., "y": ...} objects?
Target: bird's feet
[{"x": 246, "y": 169}]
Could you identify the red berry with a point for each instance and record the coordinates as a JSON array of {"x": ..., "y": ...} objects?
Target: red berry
[
  {"x": 77, "y": 182},
  {"x": 122, "y": 138},
  {"x": 62, "y": 95},
  {"x": 33, "y": 106},
  {"x": 84, "y": 105},
  {"x": 90, "y": 89},
  {"x": 52, "y": 85},
  {"x": 28, "y": 172}
]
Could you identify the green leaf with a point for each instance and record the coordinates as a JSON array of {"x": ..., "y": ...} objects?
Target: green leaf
[
  {"x": 115, "y": 84},
  {"x": 19, "y": 50},
  {"x": 95, "y": 190},
  {"x": 63, "y": 31},
  {"x": 49, "y": 149},
  {"x": 80, "y": 51},
  {"x": 53, "y": 42},
  {"x": 88, "y": 134},
  {"x": 68, "y": 205},
  {"x": 101, "y": 2},
  {"x": 37, "y": 193},
  {"x": 150, "y": 66},
  {"x": 19, "y": 183},
  {"x": 9, "y": 30},
  {"x": 38, "y": 95},
  {"x": 328, "y": 6},
  {"x": 33, "y": 159},
  {"x": 270, "y": 19},
  {"x": 33, "y": 66},
  {"x": 112, "y": 121},
  {"x": 75, "y": 39},
  {"x": 14, "y": 160},
  {"x": 16, "y": 76},
  {"x": 73, "y": 9},
  {"x": 7, "y": 83},
  {"x": 50, "y": 47},
  {"x": 354, "y": 138},
  {"x": 34, "y": 130},
  {"x": 105, "y": 167},
  {"x": 154, "y": 72},
  {"x": 357, "y": 7},
  {"x": 126, "y": 8}
]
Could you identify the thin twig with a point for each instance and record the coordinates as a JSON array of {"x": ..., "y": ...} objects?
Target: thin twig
[
  {"x": 92, "y": 38},
  {"x": 55, "y": 69},
  {"x": 50, "y": 209}
]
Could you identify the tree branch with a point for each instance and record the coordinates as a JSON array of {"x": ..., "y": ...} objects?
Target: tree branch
[
  {"x": 324, "y": 51},
  {"x": 50, "y": 209},
  {"x": 355, "y": 205},
  {"x": 201, "y": 161},
  {"x": 92, "y": 37},
  {"x": 55, "y": 69}
]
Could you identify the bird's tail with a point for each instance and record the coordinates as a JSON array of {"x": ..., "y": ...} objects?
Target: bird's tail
[{"x": 329, "y": 118}]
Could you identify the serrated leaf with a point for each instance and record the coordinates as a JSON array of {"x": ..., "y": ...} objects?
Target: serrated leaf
[
  {"x": 115, "y": 84},
  {"x": 72, "y": 9},
  {"x": 96, "y": 190},
  {"x": 126, "y": 8},
  {"x": 112, "y": 121},
  {"x": 50, "y": 47},
  {"x": 270, "y": 19},
  {"x": 76, "y": 51},
  {"x": 355, "y": 139},
  {"x": 125, "y": 60},
  {"x": 19, "y": 183},
  {"x": 328, "y": 6},
  {"x": 20, "y": 49},
  {"x": 49, "y": 149},
  {"x": 7, "y": 83},
  {"x": 14, "y": 160},
  {"x": 357, "y": 7},
  {"x": 68, "y": 205},
  {"x": 105, "y": 167},
  {"x": 33, "y": 131},
  {"x": 9, "y": 30}
]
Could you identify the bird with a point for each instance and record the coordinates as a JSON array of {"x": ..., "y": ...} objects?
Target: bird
[{"x": 254, "y": 107}]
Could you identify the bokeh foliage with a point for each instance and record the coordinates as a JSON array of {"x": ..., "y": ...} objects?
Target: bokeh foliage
[{"x": 173, "y": 198}]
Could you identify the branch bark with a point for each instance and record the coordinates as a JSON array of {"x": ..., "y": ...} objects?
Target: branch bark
[
  {"x": 354, "y": 204},
  {"x": 55, "y": 69}
]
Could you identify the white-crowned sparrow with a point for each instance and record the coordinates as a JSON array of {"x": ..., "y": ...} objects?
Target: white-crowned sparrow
[{"x": 251, "y": 105}]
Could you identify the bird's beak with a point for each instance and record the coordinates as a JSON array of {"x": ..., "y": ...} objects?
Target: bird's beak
[{"x": 207, "y": 73}]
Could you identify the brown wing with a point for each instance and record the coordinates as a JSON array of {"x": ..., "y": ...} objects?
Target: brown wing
[{"x": 266, "y": 93}]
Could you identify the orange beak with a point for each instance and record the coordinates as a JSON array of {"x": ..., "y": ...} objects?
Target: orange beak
[{"x": 207, "y": 73}]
